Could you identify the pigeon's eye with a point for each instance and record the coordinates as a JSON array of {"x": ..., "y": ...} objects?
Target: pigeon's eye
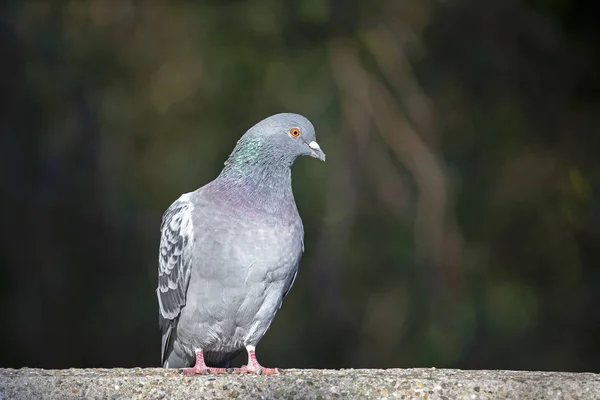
[{"x": 294, "y": 132}]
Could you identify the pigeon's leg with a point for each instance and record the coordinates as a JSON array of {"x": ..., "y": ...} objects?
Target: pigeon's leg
[
  {"x": 253, "y": 367},
  {"x": 200, "y": 368}
]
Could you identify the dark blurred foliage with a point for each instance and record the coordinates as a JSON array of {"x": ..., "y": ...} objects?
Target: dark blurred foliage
[{"x": 456, "y": 222}]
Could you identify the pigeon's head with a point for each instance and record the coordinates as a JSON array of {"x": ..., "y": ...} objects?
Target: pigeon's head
[{"x": 283, "y": 137}]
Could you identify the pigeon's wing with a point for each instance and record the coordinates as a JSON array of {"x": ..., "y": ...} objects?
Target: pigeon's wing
[
  {"x": 287, "y": 290},
  {"x": 291, "y": 282},
  {"x": 174, "y": 263},
  {"x": 175, "y": 258}
]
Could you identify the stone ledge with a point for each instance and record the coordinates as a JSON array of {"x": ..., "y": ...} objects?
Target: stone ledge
[{"x": 429, "y": 384}]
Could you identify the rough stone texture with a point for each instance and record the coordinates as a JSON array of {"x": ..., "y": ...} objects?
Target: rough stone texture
[{"x": 138, "y": 383}]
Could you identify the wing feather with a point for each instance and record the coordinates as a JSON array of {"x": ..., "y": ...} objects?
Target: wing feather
[
  {"x": 174, "y": 266},
  {"x": 175, "y": 257},
  {"x": 291, "y": 282}
]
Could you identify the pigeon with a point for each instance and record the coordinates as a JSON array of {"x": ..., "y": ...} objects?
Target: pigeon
[{"x": 229, "y": 251}]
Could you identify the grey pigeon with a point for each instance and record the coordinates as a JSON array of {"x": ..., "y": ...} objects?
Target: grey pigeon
[{"x": 229, "y": 251}]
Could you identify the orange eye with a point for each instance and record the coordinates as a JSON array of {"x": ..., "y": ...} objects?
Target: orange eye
[{"x": 294, "y": 132}]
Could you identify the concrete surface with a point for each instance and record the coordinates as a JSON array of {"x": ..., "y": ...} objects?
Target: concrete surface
[{"x": 431, "y": 384}]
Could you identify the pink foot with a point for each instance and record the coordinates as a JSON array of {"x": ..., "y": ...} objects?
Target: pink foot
[
  {"x": 200, "y": 368},
  {"x": 253, "y": 367}
]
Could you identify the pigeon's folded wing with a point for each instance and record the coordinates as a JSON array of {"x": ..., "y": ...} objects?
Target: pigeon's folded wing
[
  {"x": 175, "y": 258},
  {"x": 291, "y": 281}
]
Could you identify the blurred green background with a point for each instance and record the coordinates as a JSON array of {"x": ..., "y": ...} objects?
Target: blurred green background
[{"x": 456, "y": 222}]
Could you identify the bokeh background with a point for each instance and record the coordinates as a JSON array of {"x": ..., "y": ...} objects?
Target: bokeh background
[{"x": 456, "y": 222}]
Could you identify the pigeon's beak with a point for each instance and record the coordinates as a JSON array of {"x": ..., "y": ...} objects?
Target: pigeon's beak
[{"x": 316, "y": 151}]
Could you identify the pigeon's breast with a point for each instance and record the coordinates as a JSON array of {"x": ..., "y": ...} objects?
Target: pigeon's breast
[
  {"x": 269, "y": 242},
  {"x": 241, "y": 240},
  {"x": 264, "y": 253}
]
